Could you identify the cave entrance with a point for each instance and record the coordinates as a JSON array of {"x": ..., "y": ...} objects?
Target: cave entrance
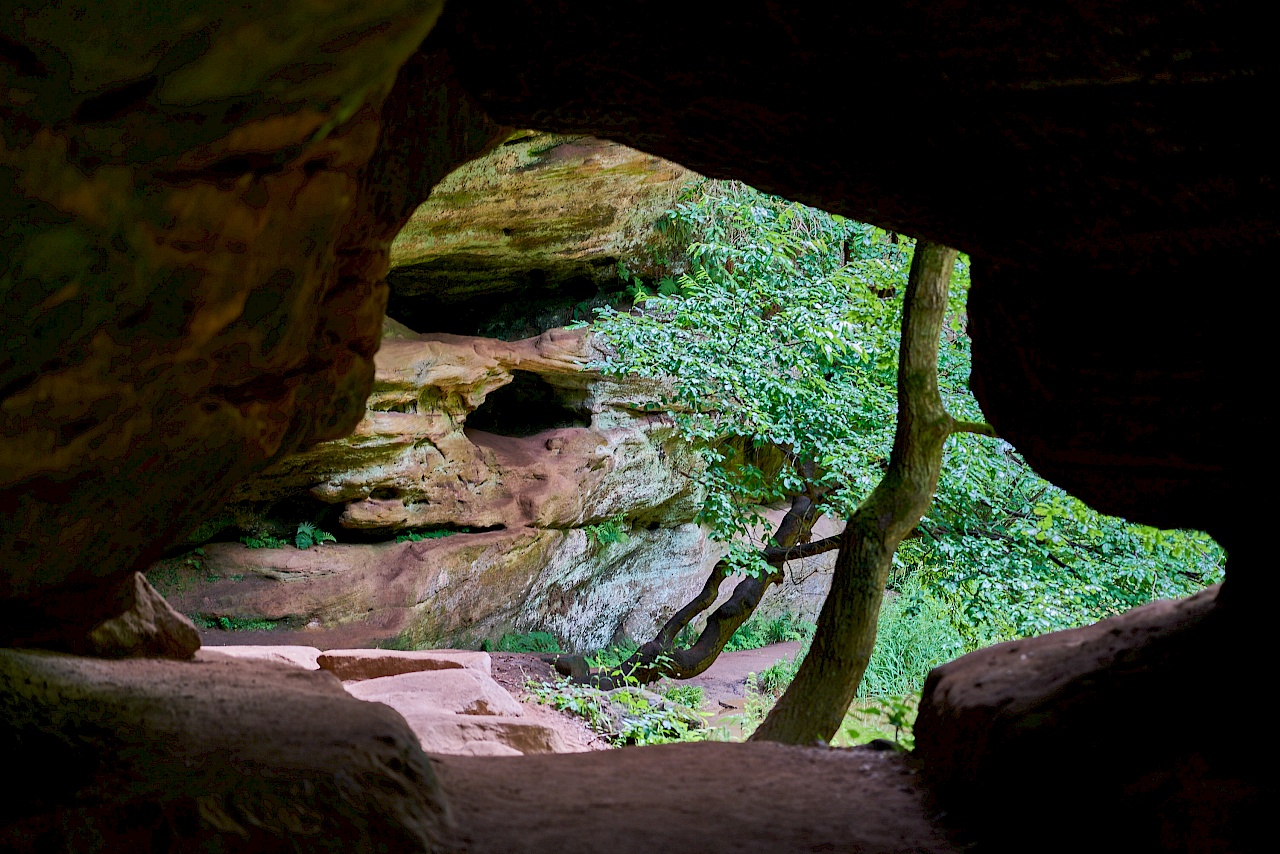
[{"x": 528, "y": 405}]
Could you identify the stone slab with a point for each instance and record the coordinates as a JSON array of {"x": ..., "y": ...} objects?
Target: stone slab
[
  {"x": 470, "y": 735},
  {"x": 459, "y": 691},
  {"x": 298, "y": 656},
  {"x": 351, "y": 665}
]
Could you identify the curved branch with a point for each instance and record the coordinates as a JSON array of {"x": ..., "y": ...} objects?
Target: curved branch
[
  {"x": 660, "y": 657},
  {"x": 776, "y": 555},
  {"x": 980, "y": 428}
]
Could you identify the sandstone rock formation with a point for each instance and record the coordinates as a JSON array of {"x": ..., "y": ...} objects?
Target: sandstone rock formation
[
  {"x": 677, "y": 797},
  {"x": 305, "y": 657},
  {"x": 194, "y": 263},
  {"x": 415, "y": 462},
  {"x": 137, "y": 755},
  {"x": 196, "y": 211},
  {"x": 509, "y": 243},
  {"x": 353, "y": 665}
]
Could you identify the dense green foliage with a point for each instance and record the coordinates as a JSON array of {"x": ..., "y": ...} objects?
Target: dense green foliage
[
  {"x": 761, "y": 631},
  {"x": 778, "y": 330}
]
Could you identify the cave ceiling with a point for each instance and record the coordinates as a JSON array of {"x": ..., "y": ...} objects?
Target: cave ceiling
[{"x": 1108, "y": 167}]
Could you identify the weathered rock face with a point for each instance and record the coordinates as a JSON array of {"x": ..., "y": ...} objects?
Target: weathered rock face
[
  {"x": 459, "y": 589},
  {"x": 508, "y": 244},
  {"x": 195, "y": 242},
  {"x": 232, "y": 755},
  {"x": 415, "y": 462}
]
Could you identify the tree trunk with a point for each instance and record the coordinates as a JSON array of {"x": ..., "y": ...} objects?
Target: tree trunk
[
  {"x": 661, "y": 657},
  {"x": 815, "y": 704}
]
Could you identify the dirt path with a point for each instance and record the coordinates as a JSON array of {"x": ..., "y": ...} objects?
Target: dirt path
[{"x": 725, "y": 681}]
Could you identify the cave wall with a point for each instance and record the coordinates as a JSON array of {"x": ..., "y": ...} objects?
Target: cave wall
[
  {"x": 196, "y": 205},
  {"x": 195, "y": 245}
]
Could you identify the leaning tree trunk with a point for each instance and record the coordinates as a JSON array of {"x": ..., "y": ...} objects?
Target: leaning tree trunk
[
  {"x": 661, "y": 657},
  {"x": 815, "y": 704}
]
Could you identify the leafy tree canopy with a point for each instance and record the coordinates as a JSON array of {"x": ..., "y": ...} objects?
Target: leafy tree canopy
[{"x": 777, "y": 327}]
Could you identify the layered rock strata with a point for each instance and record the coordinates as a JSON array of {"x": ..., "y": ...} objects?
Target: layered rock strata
[
  {"x": 514, "y": 242},
  {"x": 539, "y": 562}
]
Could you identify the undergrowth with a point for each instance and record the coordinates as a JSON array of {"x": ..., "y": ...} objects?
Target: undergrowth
[
  {"x": 629, "y": 715},
  {"x": 761, "y": 631},
  {"x": 527, "y": 642}
]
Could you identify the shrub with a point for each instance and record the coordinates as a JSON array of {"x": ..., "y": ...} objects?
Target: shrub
[
  {"x": 263, "y": 541},
  {"x": 762, "y": 631},
  {"x": 691, "y": 696}
]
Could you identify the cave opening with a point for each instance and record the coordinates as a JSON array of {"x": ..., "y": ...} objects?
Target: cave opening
[{"x": 526, "y": 406}]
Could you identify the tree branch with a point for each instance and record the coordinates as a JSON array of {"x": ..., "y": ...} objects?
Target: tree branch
[
  {"x": 980, "y": 428},
  {"x": 776, "y": 555}
]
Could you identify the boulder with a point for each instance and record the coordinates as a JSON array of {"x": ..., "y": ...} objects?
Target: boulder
[
  {"x": 232, "y": 755},
  {"x": 352, "y": 665},
  {"x": 297, "y": 656},
  {"x": 472, "y": 735},
  {"x": 459, "y": 691},
  {"x": 1093, "y": 732},
  {"x": 144, "y": 625}
]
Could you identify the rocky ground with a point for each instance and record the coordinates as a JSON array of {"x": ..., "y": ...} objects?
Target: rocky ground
[
  {"x": 520, "y": 776},
  {"x": 466, "y": 703}
]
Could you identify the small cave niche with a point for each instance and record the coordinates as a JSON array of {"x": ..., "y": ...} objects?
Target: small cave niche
[{"x": 526, "y": 406}]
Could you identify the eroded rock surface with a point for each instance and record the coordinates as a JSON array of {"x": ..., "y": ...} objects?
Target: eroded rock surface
[
  {"x": 142, "y": 754},
  {"x": 1093, "y": 731},
  {"x": 459, "y": 589},
  {"x": 460, "y": 691},
  {"x": 291, "y": 654},
  {"x": 694, "y": 797},
  {"x": 415, "y": 462},
  {"x": 353, "y": 665},
  {"x": 508, "y": 244},
  {"x": 196, "y": 215}
]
